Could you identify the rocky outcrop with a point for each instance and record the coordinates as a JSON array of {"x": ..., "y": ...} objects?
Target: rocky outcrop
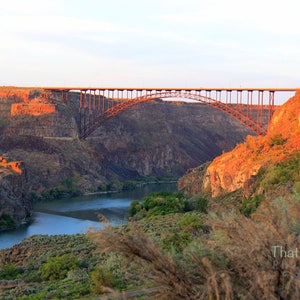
[
  {"x": 190, "y": 182},
  {"x": 15, "y": 205},
  {"x": 33, "y": 109},
  {"x": 237, "y": 168},
  {"x": 14, "y": 166},
  {"x": 25, "y": 111}
]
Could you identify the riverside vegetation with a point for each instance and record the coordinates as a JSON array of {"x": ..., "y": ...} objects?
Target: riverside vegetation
[
  {"x": 185, "y": 247},
  {"x": 214, "y": 239}
]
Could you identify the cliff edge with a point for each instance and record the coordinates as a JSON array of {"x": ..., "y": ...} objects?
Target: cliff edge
[
  {"x": 15, "y": 207},
  {"x": 238, "y": 168}
]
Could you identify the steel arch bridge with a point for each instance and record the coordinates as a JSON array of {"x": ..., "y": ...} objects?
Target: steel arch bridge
[{"x": 253, "y": 107}]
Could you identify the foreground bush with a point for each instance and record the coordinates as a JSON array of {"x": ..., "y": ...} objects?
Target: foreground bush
[{"x": 235, "y": 261}]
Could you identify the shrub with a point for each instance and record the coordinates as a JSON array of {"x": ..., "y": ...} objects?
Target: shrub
[
  {"x": 234, "y": 262},
  {"x": 134, "y": 208},
  {"x": 78, "y": 275},
  {"x": 137, "y": 245},
  {"x": 177, "y": 241},
  {"x": 198, "y": 203},
  {"x": 277, "y": 139},
  {"x": 249, "y": 205},
  {"x": 158, "y": 203},
  {"x": 10, "y": 271},
  {"x": 58, "y": 267},
  {"x": 296, "y": 188},
  {"x": 288, "y": 170},
  {"x": 6, "y": 220},
  {"x": 190, "y": 223},
  {"x": 101, "y": 279}
]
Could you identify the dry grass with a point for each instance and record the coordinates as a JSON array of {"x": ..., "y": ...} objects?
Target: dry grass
[
  {"x": 136, "y": 244},
  {"x": 235, "y": 261},
  {"x": 248, "y": 243}
]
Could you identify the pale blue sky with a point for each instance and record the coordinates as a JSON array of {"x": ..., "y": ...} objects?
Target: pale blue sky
[{"x": 188, "y": 43}]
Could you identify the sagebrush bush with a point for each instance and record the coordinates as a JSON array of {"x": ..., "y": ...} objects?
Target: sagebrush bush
[
  {"x": 249, "y": 205},
  {"x": 234, "y": 261},
  {"x": 58, "y": 267},
  {"x": 198, "y": 203},
  {"x": 102, "y": 279},
  {"x": 282, "y": 172},
  {"x": 9, "y": 271}
]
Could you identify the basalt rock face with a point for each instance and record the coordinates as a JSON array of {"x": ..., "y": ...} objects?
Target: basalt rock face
[
  {"x": 14, "y": 200},
  {"x": 151, "y": 139},
  {"x": 165, "y": 138},
  {"x": 237, "y": 169},
  {"x": 25, "y": 111}
]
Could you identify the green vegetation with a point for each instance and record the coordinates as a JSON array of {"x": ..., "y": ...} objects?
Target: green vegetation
[
  {"x": 235, "y": 256},
  {"x": 132, "y": 184},
  {"x": 6, "y": 220},
  {"x": 249, "y": 205},
  {"x": 197, "y": 203},
  {"x": 101, "y": 279},
  {"x": 196, "y": 248},
  {"x": 58, "y": 267},
  {"x": 10, "y": 271},
  {"x": 278, "y": 140},
  {"x": 67, "y": 188},
  {"x": 283, "y": 172},
  {"x": 53, "y": 267},
  {"x": 159, "y": 203}
]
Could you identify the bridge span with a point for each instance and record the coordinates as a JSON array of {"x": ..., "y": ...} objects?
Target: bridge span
[{"x": 253, "y": 107}]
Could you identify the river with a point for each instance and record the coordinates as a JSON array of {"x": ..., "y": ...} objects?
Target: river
[{"x": 77, "y": 215}]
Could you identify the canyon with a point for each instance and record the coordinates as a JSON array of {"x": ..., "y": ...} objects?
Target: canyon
[
  {"x": 246, "y": 196},
  {"x": 154, "y": 140}
]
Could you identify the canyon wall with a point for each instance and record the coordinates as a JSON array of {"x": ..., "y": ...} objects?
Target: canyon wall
[
  {"x": 237, "y": 169},
  {"x": 160, "y": 139},
  {"x": 14, "y": 200}
]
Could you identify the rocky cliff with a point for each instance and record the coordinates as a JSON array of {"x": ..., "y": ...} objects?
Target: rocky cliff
[
  {"x": 237, "y": 169},
  {"x": 15, "y": 205},
  {"x": 152, "y": 139},
  {"x": 165, "y": 138}
]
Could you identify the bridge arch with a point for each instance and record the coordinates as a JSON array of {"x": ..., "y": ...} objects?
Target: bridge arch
[{"x": 91, "y": 121}]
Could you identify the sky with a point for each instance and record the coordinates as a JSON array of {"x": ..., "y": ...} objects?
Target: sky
[{"x": 150, "y": 43}]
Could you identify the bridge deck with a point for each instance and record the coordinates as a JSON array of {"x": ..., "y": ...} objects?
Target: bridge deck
[{"x": 288, "y": 89}]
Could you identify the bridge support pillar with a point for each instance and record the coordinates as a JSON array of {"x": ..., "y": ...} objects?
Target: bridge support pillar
[{"x": 271, "y": 105}]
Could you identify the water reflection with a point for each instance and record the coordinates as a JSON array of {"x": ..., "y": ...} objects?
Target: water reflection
[
  {"x": 47, "y": 224},
  {"x": 77, "y": 215}
]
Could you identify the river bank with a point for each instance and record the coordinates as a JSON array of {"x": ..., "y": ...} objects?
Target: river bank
[{"x": 78, "y": 214}]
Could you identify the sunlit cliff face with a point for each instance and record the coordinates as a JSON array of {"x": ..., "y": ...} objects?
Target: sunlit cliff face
[
  {"x": 27, "y": 104},
  {"x": 232, "y": 170},
  {"x": 22, "y": 93},
  {"x": 14, "y": 166},
  {"x": 32, "y": 108}
]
